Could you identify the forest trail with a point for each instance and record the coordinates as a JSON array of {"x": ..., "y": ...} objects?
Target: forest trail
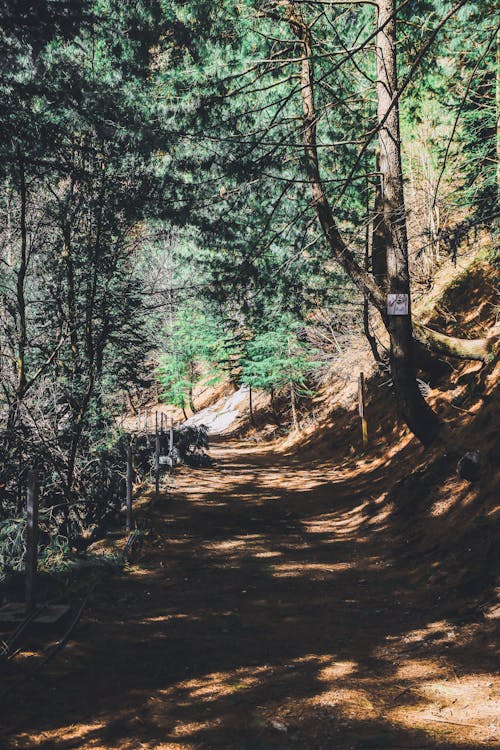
[{"x": 270, "y": 608}]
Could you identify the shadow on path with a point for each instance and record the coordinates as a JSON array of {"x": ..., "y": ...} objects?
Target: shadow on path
[{"x": 271, "y": 608}]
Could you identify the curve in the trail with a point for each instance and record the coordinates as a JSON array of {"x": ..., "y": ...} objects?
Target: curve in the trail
[
  {"x": 222, "y": 415},
  {"x": 271, "y": 608}
]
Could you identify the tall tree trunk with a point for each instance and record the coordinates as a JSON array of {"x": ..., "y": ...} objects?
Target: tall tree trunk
[
  {"x": 77, "y": 433},
  {"x": 339, "y": 249},
  {"x": 293, "y": 400},
  {"x": 379, "y": 234},
  {"x": 369, "y": 245},
  {"x": 412, "y": 407},
  {"x": 22, "y": 335},
  {"x": 21, "y": 280},
  {"x": 67, "y": 256}
]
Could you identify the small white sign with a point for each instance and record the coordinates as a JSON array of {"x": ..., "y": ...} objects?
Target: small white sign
[{"x": 397, "y": 304}]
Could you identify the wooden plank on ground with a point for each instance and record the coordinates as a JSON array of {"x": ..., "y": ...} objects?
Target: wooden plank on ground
[{"x": 15, "y": 612}]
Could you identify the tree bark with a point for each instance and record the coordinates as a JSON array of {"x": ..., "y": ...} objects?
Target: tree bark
[
  {"x": 190, "y": 391},
  {"x": 190, "y": 399},
  {"x": 369, "y": 255},
  {"x": 379, "y": 235},
  {"x": 438, "y": 343},
  {"x": 340, "y": 250},
  {"x": 20, "y": 287},
  {"x": 412, "y": 407}
]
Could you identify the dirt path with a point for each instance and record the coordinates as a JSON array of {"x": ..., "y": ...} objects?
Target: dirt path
[{"x": 270, "y": 609}]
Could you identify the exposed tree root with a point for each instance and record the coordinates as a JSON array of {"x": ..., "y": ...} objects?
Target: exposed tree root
[{"x": 482, "y": 350}]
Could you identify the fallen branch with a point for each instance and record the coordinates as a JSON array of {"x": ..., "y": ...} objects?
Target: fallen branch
[{"x": 456, "y": 723}]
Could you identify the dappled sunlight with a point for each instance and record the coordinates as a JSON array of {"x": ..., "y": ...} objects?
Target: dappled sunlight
[
  {"x": 417, "y": 668},
  {"x": 287, "y": 570},
  {"x": 469, "y": 707},
  {"x": 168, "y": 618},
  {"x": 352, "y": 704},
  {"x": 213, "y": 686},
  {"x": 263, "y": 609},
  {"x": 64, "y": 734},
  {"x": 226, "y": 545},
  {"x": 335, "y": 670},
  {"x": 267, "y": 554}
]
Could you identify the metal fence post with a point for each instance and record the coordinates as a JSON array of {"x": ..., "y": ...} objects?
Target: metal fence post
[
  {"x": 171, "y": 443},
  {"x": 130, "y": 479},
  {"x": 157, "y": 457},
  {"x": 31, "y": 540}
]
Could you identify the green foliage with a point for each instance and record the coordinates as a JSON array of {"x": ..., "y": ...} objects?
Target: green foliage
[
  {"x": 79, "y": 170},
  {"x": 175, "y": 379},
  {"x": 454, "y": 93},
  {"x": 197, "y": 346},
  {"x": 277, "y": 357}
]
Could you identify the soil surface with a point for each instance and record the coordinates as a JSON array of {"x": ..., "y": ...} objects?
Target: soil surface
[{"x": 271, "y": 607}]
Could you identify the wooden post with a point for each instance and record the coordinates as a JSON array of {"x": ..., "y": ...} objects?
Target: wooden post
[
  {"x": 31, "y": 540},
  {"x": 361, "y": 401},
  {"x": 250, "y": 403},
  {"x": 171, "y": 443},
  {"x": 130, "y": 479},
  {"x": 20, "y": 487},
  {"x": 157, "y": 457}
]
